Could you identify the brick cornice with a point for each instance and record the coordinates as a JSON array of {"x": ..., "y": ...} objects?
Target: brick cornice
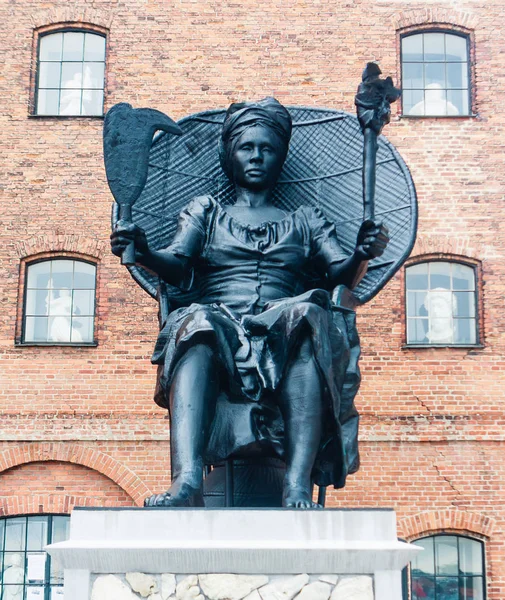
[
  {"x": 433, "y": 522},
  {"x": 81, "y": 455}
]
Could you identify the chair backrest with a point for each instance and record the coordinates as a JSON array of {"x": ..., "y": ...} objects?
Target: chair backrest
[{"x": 323, "y": 169}]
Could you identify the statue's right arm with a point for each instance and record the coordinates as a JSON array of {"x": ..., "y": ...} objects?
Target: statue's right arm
[{"x": 166, "y": 265}]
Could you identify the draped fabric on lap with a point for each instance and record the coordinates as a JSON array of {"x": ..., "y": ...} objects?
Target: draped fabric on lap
[{"x": 323, "y": 169}]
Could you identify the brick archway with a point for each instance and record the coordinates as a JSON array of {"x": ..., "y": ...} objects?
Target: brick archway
[
  {"x": 81, "y": 455},
  {"x": 431, "y": 522},
  {"x": 57, "y": 504},
  {"x": 434, "y": 15}
]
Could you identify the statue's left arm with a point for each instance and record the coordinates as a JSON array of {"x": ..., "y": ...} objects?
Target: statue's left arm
[
  {"x": 330, "y": 259},
  {"x": 371, "y": 242}
]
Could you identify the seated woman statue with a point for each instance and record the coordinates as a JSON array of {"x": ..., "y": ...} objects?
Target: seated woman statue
[{"x": 257, "y": 333}]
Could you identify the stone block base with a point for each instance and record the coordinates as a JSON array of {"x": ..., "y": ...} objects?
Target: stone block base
[{"x": 232, "y": 554}]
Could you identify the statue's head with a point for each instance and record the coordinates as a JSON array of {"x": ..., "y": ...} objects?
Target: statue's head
[{"x": 254, "y": 142}]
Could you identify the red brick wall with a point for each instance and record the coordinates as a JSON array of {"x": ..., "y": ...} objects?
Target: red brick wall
[{"x": 432, "y": 434}]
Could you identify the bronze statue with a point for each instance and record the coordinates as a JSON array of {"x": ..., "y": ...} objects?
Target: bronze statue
[{"x": 261, "y": 338}]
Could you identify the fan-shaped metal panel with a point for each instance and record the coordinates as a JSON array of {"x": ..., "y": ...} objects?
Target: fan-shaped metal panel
[{"x": 323, "y": 169}]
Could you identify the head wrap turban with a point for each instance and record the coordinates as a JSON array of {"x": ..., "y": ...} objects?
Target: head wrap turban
[{"x": 240, "y": 116}]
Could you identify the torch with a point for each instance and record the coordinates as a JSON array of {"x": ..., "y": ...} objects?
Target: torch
[
  {"x": 373, "y": 107},
  {"x": 127, "y": 137}
]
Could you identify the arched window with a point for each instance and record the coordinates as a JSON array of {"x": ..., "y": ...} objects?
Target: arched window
[
  {"x": 59, "y": 303},
  {"x": 26, "y": 570},
  {"x": 450, "y": 567},
  {"x": 435, "y": 74},
  {"x": 70, "y": 74},
  {"x": 441, "y": 304}
]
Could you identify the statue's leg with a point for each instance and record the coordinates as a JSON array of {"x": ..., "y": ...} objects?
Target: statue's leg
[
  {"x": 301, "y": 402},
  {"x": 193, "y": 395}
]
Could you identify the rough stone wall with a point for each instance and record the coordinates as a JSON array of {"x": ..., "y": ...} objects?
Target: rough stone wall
[{"x": 432, "y": 427}]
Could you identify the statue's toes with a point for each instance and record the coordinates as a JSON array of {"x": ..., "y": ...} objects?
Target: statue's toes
[{"x": 157, "y": 500}]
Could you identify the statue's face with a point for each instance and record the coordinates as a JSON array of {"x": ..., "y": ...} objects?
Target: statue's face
[{"x": 257, "y": 158}]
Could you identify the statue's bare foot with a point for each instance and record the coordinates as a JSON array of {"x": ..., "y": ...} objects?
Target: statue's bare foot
[
  {"x": 181, "y": 493},
  {"x": 298, "y": 496}
]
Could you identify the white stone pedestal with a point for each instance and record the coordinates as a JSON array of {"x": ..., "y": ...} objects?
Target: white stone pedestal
[{"x": 274, "y": 554}]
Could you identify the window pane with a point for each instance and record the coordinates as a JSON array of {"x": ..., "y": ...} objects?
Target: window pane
[
  {"x": 417, "y": 277},
  {"x": 36, "y": 567},
  {"x": 472, "y": 588},
  {"x": 37, "y": 533},
  {"x": 416, "y": 331},
  {"x": 464, "y": 304},
  {"x": 440, "y": 275},
  {"x": 49, "y": 75},
  {"x": 415, "y": 304},
  {"x": 465, "y": 331},
  {"x": 61, "y": 529},
  {"x": 15, "y": 532},
  {"x": 435, "y": 100},
  {"x": 462, "y": 277},
  {"x": 93, "y": 75},
  {"x": 424, "y": 562},
  {"x": 434, "y": 73},
  {"x": 73, "y": 46},
  {"x": 439, "y": 303},
  {"x": 57, "y": 593},
  {"x": 34, "y": 593},
  {"x": 412, "y": 48},
  {"x": 413, "y": 75},
  {"x": 82, "y": 329},
  {"x": 446, "y": 556},
  {"x": 456, "y": 48},
  {"x": 94, "y": 47},
  {"x": 56, "y": 574},
  {"x": 47, "y": 102},
  {"x": 60, "y": 303},
  {"x": 92, "y": 102},
  {"x": 457, "y": 102},
  {"x": 12, "y": 592},
  {"x": 37, "y": 302},
  {"x": 84, "y": 303},
  {"x": 434, "y": 47},
  {"x": 457, "y": 75},
  {"x": 59, "y": 329},
  {"x": 413, "y": 102},
  {"x": 84, "y": 276},
  {"x": 51, "y": 46},
  {"x": 2, "y": 531},
  {"x": 70, "y": 102},
  {"x": 423, "y": 588},
  {"x": 71, "y": 75},
  {"x": 470, "y": 557},
  {"x": 447, "y": 588},
  {"x": 441, "y": 331},
  {"x": 62, "y": 273},
  {"x": 36, "y": 329}
]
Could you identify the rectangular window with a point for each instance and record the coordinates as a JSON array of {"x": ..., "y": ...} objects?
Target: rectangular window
[
  {"x": 71, "y": 74},
  {"x": 435, "y": 75}
]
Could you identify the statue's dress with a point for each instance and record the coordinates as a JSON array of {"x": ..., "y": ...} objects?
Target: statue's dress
[{"x": 255, "y": 303}]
